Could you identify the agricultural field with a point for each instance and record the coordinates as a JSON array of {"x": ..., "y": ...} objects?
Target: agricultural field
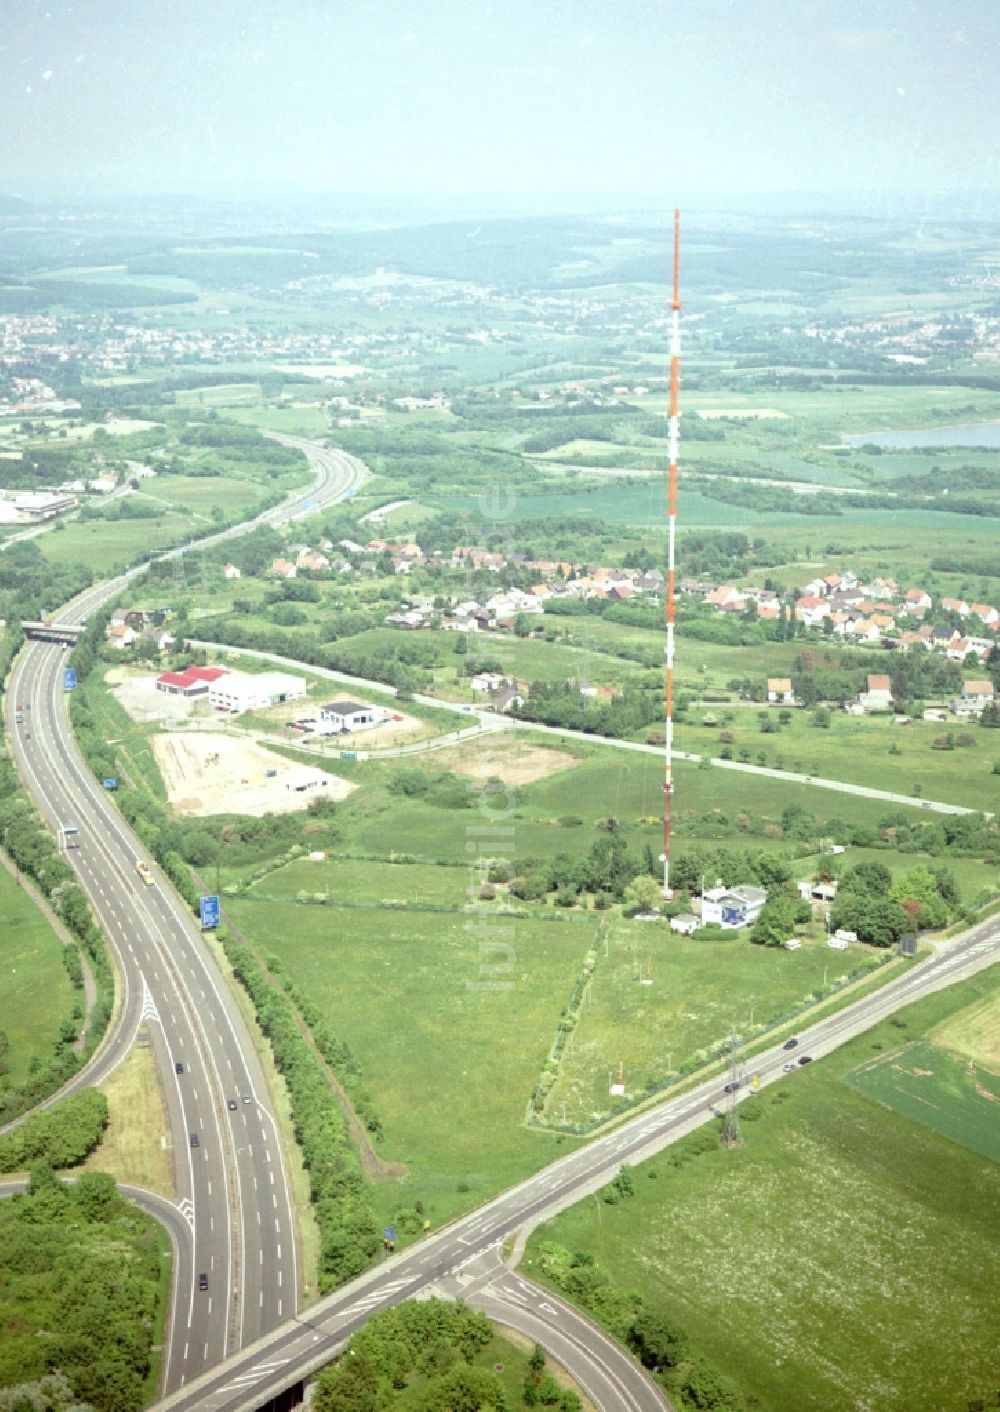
[
  {"x": 860, "y": 750},
  {"x": 448, "y": 1058},
  {"x": 955, "y": 1096},
  {"x": 835, "y": 1215},
  {"x": 35, "y": 992},
  {"x": 658, "y": 1003}
]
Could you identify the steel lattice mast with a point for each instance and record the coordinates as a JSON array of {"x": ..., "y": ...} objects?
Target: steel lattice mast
[{"x": 673, "y": 441}]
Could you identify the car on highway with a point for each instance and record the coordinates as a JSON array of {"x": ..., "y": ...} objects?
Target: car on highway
[
  {"x": 790, "y": 1044},
  {"x": 805, "y": 1059},
  {"x": 203, "y": 1281},
  {"x": 178, "y": 1066},
  {"x": 246, "y": 1098},
  {"x": 790, "y": 1067},
  {"x": 231, "y": 1104},
  {"x": 194, "y": 1140},
  {"x": 731, "y": 1088},
  {"x": 143, "y": 869}
]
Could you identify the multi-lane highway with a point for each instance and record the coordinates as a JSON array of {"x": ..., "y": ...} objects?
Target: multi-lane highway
[
  {"x": 237, "y": 1276},
  {"x": 240, "y": 1341},
  {"x": 303, "y": 1345}
]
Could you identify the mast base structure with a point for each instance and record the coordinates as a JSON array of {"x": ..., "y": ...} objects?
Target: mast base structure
[{"x": 670, "y": 592}]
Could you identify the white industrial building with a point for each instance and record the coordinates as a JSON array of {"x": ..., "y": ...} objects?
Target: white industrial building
[
  {"x": 348, "y": 716},
  {"x": 732, "y": 906},
  {"x": 253, "y": 691}
]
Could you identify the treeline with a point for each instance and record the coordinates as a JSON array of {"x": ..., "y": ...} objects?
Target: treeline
[
  {"x": 773, "y": 500},
  {"x": 31, "y": 846},
  {"x": 82, "y": 1269},
  {"x": 431, "y": 1356},
  {"x": 349, "y": 1237},
  {"x": 60, "y": 1136},
  {"x": 31, "y": 586},
  {"x": 880, "y": 910},
  {"x": 560, "y": 704},
  {"x": 819, "y": 675},
  {"x": 987, "y": 567},
  {"x": 404, "y": 664}
]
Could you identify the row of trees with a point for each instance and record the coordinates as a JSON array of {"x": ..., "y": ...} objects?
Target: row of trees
[{"x": 349, "y": 1238}]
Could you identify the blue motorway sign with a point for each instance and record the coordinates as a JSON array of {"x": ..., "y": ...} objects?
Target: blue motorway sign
[
  {"x": 110, "y": 783},
  {"x": 209, "y": 910},
  {"x": 389, "y": 1233},
  {"x": 309, "y": 504},
  {"x": 69, "y": 678}
]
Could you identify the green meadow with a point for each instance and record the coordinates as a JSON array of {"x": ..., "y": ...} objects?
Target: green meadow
[{"x": 838, "y": 1215}]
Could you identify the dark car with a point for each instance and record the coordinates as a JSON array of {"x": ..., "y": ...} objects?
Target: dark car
[
  {"x": 731, "y": 1088},
  {"x": 203, "y": 1281},
  {"x": 231, "y": 1104},
  {"x": 194, "y": 1140},
  {"x": 790, "y": 1044},
  {"x": 178, "y": 1067},
  {"x": 805, "y": 1059}
]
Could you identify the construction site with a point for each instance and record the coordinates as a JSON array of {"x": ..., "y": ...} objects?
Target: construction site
[{"x": 209, "y": 773}]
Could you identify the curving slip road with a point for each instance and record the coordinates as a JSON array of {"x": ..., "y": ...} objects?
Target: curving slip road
[{"x": 233, "y": 1192}]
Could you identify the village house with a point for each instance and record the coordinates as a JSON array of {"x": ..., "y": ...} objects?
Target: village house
[
  {"x": 779, "y": 691},
  {"x": 810, "y": 609},
  {"x": 878, "y": 697},
  {"x": 988, "y": 616},
  {"x": 409, "y": 619},
  {"x": 725, "y": 596},
  {"x": 955, "y": 605},
  {"x": 976, "y": 696},
  {"x": 120, "y": 635},
  {"x": 916, "y": 600},
  {"x": 283, "y": 569},
  {"x": 231, "y": 572},
  {"x": 315, "y": 563}
]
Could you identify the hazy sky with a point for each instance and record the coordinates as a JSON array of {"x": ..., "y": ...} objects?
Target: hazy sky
[{"x": 604, "y": 96}]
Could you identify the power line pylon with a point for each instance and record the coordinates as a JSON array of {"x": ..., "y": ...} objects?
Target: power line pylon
[{"x": 731, "y": 1134}]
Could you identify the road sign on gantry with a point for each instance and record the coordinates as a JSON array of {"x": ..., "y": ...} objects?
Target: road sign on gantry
[
  {"x": 209, "y": 911},
  {"x": 69, "y": 678}
]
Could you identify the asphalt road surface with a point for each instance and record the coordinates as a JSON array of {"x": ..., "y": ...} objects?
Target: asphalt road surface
[
  {"x": 233, "y": 1193},
  {"x": 304, "y": 1344}
]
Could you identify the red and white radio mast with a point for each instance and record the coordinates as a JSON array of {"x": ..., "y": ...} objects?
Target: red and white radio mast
[{"x": 673, "y": 441}]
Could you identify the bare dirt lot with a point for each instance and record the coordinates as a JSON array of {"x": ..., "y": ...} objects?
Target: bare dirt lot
[
  {"x": 503, "y": 759},
  {"x": 216, "y": 774}
]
